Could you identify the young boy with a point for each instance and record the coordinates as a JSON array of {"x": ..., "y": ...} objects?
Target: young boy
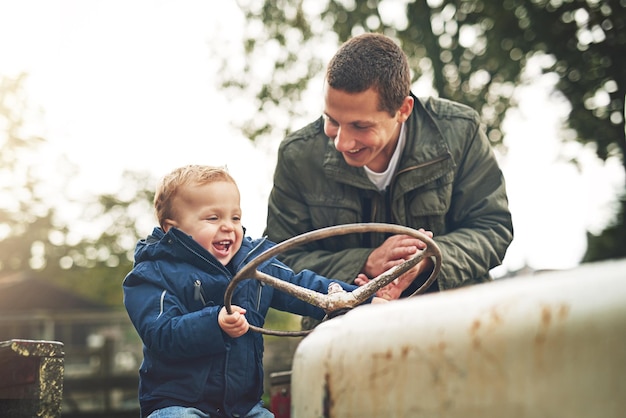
[{"x": 199, "y": 361}]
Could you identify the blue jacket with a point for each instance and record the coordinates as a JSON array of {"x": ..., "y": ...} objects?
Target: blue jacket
[{"x": 173, "y": 296}]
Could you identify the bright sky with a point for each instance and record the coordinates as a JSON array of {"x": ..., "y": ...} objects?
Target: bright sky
[{"x": 130, "y": 85}]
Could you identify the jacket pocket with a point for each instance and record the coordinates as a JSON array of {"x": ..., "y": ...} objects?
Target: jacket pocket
[
  {"x": 329, "y": 212},
  {"x": 429, "y": 205},
  {"x": 184, "y": 380}
]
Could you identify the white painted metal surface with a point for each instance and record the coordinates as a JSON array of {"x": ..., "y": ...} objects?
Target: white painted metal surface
[{"x": 550, "y": 345}]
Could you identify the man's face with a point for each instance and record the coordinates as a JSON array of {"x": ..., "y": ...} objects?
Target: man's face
[
  {"x": 365, "y": 135},
  {"x": 211, "y": 214}
]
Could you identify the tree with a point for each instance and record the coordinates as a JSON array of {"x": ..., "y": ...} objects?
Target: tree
[
  {"x": 472, "y": 51},
  {"x": 35, "y": 237},
  {"x": 97, "y": 264},
  {"x": 24, "y": 216}
]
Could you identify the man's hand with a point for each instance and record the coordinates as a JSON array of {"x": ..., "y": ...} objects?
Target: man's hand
[
  {"x": 394, "y": 251},
  {"x": 235, "y": 324}
]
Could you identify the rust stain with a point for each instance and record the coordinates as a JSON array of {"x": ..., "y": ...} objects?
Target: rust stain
[
  {"x": 563, "y": 312},
  {"x": 474, "y": 329},
  {"x": 404, "y": 351},
  {"x": 475, "y": 326},
  {"x": 328, "y": 400},
  {"x": 387, "y": 355},
  {"x": 544, "y": 324},
  {"x": 548, "y": 317},
  {"x": 495, "y": 317},
  {"x": 484, "y": 341}
]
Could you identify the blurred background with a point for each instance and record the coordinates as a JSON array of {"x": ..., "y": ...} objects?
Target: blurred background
[{"x": 98, "y": 99}]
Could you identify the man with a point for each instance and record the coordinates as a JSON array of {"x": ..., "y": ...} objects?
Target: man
[{"x": 380, "y": 154}]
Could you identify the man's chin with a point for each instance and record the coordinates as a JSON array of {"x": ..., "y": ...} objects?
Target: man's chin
[{"x": 351, "y": 161}]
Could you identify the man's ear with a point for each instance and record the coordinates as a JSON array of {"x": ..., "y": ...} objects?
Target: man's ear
[
  {"x": 405, "y": 109},
  {"x": 168, "y": 224}
]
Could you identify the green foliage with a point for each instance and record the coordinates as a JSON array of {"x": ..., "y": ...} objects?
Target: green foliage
[
  {"x": 35, "y": 237},
  {"x": 474, "y": 51},
  {"x": 282, "y": 321},
  {"x": 95, "y": 267},
  {"x": 25, "y": 218},
  {"x": 610, "y": 243}
]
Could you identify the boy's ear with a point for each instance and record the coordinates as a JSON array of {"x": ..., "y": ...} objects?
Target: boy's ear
[{"x": 168, "y": 224}]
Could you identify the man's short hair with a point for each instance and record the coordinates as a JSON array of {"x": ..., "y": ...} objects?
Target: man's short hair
[{"x": 372, "y": 60}]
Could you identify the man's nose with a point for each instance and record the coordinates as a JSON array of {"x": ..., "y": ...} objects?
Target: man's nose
[{"x": 342, "y": 141}]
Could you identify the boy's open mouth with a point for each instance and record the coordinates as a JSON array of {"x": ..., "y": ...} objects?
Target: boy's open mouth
[{"x": 223, "y": 246}]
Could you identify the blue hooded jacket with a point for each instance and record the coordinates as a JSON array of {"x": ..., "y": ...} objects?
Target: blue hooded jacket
[{"x": 173, "y": 296}]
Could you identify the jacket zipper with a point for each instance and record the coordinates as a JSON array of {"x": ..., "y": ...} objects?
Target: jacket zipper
[
  {"x": 198, "y": 293},
  {"x": 426, "y": 164},
  {"x": 258, "y": 301},
  {"x": 218, "y": 265}
]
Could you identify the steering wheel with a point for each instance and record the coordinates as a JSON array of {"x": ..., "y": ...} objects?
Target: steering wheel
[{"x": 340, "y": 300}]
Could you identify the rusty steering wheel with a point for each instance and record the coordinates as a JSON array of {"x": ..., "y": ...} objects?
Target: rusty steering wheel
[{"x": 335, "y": 301}]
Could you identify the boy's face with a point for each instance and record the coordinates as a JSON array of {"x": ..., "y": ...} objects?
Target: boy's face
[
  {"x": 211, "y": 214},
  {"x": 363, "y": 134}
]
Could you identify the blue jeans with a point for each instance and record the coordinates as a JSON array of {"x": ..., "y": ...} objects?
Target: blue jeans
[{"x": 258, "y": 411}]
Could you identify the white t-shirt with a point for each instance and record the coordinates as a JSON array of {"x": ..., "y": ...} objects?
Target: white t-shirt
[{"x": 382, "y": 180}]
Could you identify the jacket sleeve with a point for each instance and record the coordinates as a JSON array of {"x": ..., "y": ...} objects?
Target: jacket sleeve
[
  {"x": 164, "y": 325},
  {"x": 478, "y": 219},
  {"x": 288, "y": 216}
]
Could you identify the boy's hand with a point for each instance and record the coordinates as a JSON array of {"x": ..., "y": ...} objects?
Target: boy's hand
[
  {"x": 235, "y": 324},
  {"x": 394, "y": 289},
  {"x": 390, "y": 292}
]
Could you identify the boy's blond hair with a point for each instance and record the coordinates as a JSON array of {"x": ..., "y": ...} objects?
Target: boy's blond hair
[{"x": 189, "y": 175}]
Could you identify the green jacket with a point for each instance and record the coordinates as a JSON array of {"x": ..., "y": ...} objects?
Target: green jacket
[{"x": 448, "y": 182}]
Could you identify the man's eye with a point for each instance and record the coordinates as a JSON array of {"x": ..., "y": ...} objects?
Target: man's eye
[{"x": 330, "y": 121}]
